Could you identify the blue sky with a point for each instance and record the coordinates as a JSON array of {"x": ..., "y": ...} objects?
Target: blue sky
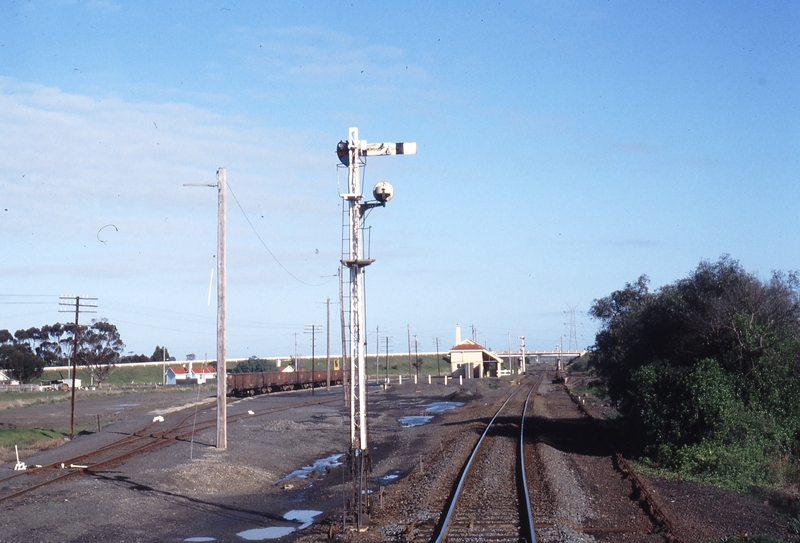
[{"x": 564, "y": 149}]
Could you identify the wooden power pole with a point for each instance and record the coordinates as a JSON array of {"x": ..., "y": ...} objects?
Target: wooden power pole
[
  {"x": 222, "y": 384},
  {"x": 88, "y": 305}
]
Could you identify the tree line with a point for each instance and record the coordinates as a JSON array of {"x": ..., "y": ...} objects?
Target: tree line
[
  {"x": 27, "y": 352},
  {"x": 707, "y": 370}
]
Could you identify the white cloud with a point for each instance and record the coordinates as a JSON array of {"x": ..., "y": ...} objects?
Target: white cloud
[{"x": 73, "y": 164}]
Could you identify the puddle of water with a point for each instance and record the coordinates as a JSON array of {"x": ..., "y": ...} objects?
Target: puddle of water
[
  {"x": 260, "y": 534},
  {"x": 390, "y": 477},
  {"x": 441, "y": 407},
  {"x": 304, "y": 517},
  {"x": 414, "y": 420},
  {"x": 319, "y": 466},
  {"x": 127, "y": 405},
  {"x": 403, "y": 403},
  {"x": 201, "y": 539}
]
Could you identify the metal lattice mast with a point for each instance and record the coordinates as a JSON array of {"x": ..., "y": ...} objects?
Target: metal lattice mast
[
  {"x": 573, "y": 329},
  {"x": 355, "y": 261}
]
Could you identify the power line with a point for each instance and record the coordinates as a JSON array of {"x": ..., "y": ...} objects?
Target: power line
[{"x": 253, "y": 228}]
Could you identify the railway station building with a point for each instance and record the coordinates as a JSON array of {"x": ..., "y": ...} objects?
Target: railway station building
[{"x": 471, "y": 360}]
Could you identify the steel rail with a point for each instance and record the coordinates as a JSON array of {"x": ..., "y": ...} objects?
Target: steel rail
[
  {"x": 126, "y": 440},
  {"x": 531, "y": 531},
  {"x": 445, "y": 526}
]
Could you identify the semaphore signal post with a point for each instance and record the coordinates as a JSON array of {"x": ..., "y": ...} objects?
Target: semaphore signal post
[{"x": 352, "y": 153}]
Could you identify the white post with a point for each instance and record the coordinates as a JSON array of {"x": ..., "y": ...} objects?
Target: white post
[
  {"x": 400, "y": 379},
  {"x": 429, "y": 378},
  {"x": 460, "y": 379},
  {"x": 445, "y": 380}
]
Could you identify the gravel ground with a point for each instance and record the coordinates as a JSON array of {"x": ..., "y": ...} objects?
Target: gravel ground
[{"x": 192, "y": 490}]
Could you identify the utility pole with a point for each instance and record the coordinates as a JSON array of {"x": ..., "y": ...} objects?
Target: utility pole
[
  {"x": 377, "y": 350},
  {"x": 328, "y": 355},
  {"x": 386, "y": 357},
  {"x": 312, "y": 329},
  {"x": 328, "y": 334},
  {"x": 222, "y": 383},
  {"x": 409, "y": 351},
  {"x": 296, "y": 357},
  {"x": 351, "y": 153},
  {"x": 438, "y": 364},
  {"x": 416, "y": 355},
  {"x": 89, "y": 305}
]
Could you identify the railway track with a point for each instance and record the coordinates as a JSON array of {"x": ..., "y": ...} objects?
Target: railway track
[
  {"x": 490, "y": 501},
  {"x": 180, "y": 426}
]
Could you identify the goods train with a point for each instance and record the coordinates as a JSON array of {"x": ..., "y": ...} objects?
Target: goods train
[{"x": 249, "y": 384}]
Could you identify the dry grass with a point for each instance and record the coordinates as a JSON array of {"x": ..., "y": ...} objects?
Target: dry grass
[{"x": 7, "y": 454}]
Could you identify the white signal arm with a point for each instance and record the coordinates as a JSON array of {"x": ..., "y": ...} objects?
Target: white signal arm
[{"x": 383, "y": 149}]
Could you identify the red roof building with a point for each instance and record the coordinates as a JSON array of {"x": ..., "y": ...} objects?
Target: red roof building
[
  {"x": 472, "y": 360},
  {"x": 190, "y": 374}
]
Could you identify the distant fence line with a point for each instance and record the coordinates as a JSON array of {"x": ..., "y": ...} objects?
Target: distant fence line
[{"x": 19, "y": 388}]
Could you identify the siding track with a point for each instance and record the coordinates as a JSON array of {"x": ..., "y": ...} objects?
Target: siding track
[{"x": 153, "y": 436}]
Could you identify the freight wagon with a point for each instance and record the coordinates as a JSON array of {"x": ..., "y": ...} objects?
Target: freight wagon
[{"x": 249, "y": 384}]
